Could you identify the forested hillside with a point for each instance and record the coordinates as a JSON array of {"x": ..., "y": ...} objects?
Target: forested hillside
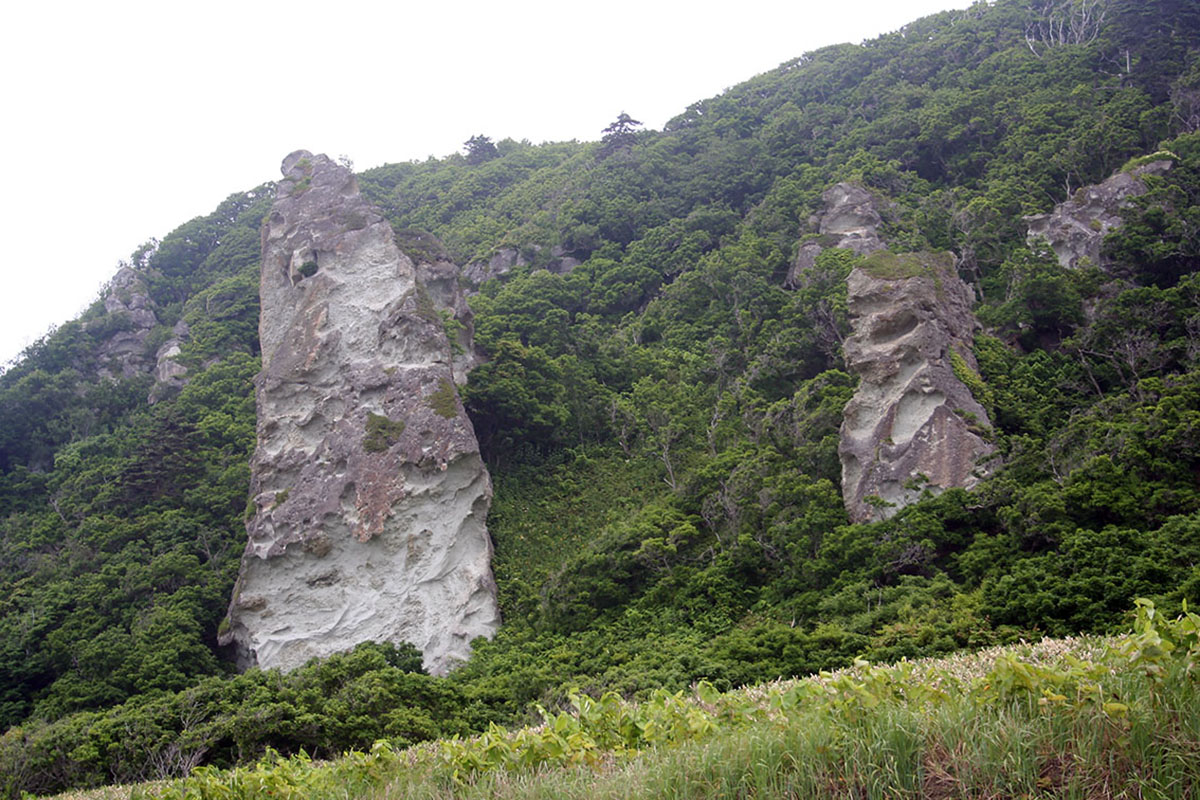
[{"x": 659, "y": 406}]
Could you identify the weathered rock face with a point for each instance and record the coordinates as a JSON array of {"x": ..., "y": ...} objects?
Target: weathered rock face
[
  {"x": 505, "y": 259},
  {"x": 369, "y": 494},
  {"x": 912, "y": 424},
  {"x": 169, "y": 374},
  {"x": 123, "y": 353},
  {"x": 501, "y": 263},
  {"x": 851, "y": 219},
  {"x": 1075, "y": 229},
  {"x": 440, "y": 282}
]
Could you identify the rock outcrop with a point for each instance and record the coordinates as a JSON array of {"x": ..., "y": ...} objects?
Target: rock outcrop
[
  {"x": 369, "y": 495},
  {"x": 850, "y": 219},
  {"x": 1075, "y": 229},
  {"x": 912, "y": 424},
  {"x": 502, "y": 262},
  {"x": 124, "y": 349},
  {"x": 440, "y": 280},
  {"x": 129, "y": 309},
  {"x": 169, "y": 374}
]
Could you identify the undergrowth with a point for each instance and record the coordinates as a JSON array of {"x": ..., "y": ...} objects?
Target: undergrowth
[{"x": 1081, "y": 718}]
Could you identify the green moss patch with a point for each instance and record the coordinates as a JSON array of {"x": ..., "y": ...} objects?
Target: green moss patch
[
  {"x": 900, "y": 266},
  {"x": 382, "y": 432},
  {"x": 444, "y": 400}
]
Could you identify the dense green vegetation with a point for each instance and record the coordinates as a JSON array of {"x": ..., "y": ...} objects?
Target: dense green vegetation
[
  {"x": 1079, "y": 718},
  {"x": 661, "y": 421}
]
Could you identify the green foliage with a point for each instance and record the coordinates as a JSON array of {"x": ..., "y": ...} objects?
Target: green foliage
[
  {"x": 1043, "y": 301},
  {"x": 1003, "y": 718},
  {"x": 970, "y": 378},
  {"x": 375, "y": 692},
  {"x": 480, "y": 148},
  {"x": 1156, "y": 244}
]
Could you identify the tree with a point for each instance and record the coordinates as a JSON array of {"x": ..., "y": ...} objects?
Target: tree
[
  {"x": 1063, "y": 22},
  {"x": 620, "y": 135},
  {"x": 480, "y": 149}
]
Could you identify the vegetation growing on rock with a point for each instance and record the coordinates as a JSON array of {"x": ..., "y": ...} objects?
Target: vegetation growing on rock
[{"x": 662, "y": 417}]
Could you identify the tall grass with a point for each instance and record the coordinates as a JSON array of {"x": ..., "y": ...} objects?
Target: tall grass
[
  {"x": 962, "y": 750},
  {"x": 1063, "y": 719}
]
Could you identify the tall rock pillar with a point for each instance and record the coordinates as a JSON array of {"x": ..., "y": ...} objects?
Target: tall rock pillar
[
  {"x": 369, "y": 496},
  {"x": 913, "y": 424}
]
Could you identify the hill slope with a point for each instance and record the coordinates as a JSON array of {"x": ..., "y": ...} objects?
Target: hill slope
[{"x": 660, "y": 407}]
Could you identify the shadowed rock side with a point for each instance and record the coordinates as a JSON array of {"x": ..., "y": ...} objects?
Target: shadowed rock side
[
  {"x": 912, "y": 424},
  {"x": 439, "y": 278},
  {"x": 1075, "y": 229},
  {"x": 369, "y": 495}
]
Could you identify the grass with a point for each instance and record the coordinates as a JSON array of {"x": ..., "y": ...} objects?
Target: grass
[
  {"x": 900, "y": 266},
  {"x": 108, "y": 792},
  {"x": 1075, "y": 718},
  {"x": 444, "y": 400}
]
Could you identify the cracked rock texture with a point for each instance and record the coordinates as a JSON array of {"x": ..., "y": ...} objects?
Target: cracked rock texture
[
  {"x": 1075, "y": 229},
  {"x": 912, "y": 424},
  {"x": 850, "y": 219},
  {"x": 369, "y": 497}
]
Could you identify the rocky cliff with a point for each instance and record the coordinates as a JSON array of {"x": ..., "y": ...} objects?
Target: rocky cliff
[
  {"x": 1076, "y": 228},
  {"x": 369, "y": 497},
  {"x": 912, "y": 425}
]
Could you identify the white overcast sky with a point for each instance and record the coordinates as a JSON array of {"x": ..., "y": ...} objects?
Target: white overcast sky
[{"x": 123, "y": 120}]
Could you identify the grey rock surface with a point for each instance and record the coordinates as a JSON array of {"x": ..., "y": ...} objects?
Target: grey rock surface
[
  {"x": 501, "y": 263},
  {"x": 168, "y": 371},
  {"x": 850, "y": 219},
  {"x": 369, "y": 497},
  {"x": 440, "y": 280},
  {"x": 912, "y": 424},
  {"x": 1075, "y": 229},
  {"x": 123, "y": 353}
]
